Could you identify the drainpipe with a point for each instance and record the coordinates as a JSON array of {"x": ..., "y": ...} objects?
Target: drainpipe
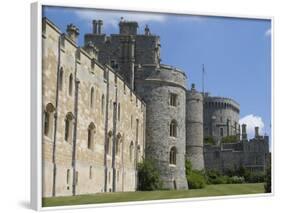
[
  {"x": 122, "y": 160},
  {"x": 55, "y": 122},
  {"x": 106, "y": 131},
  {"x": 114, "y": 141},
  {"x": 75, "y": 128},
  {"x": 136, "y": 154}
]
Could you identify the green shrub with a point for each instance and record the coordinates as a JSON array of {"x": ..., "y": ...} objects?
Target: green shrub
[
  {"x": 215, "y": 177},
  {"x": 196, "y": 180},
  {"x": 188, "y": 167},
  {"x": 255, "y": 177},
  {"x": 209, "y": 140},
  {"x": 236, "y": 179},
  {"x": 148, "y": 177},
  {"x": 267, "y": 185},
  {"x": 229, "y": 139}
]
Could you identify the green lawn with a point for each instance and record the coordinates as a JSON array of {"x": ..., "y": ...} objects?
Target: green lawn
[{"x": 210, "y": 190}]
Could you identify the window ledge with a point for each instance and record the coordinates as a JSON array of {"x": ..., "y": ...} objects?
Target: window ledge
[
  {"x": 172, "y": 137},
  {"x": 172, "y": 165}
]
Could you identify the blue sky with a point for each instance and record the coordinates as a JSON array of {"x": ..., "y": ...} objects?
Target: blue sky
[{"x": 236, "y": 52}]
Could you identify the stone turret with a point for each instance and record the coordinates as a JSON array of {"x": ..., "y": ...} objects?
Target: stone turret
[
  {"x": 194, "y": 128},
  {"x": 244, "y": 132},
  {"x": 146, "y": 30},
  {"x": 73, "y": 32},
  {"x": 221, "y": 117},
  {"x": 163, "y": 90},
  {"x": 91, "y": 50},
  {"x": 128, "y": 27}
]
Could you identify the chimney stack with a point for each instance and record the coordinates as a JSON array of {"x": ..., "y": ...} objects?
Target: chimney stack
[
  {"x": 244, "y": 132},
  {"x": 256, "y": 132},
  {"x": 95, "y": 26},
  {"x": 100, "y": 23},
  {"x": 72, "y": 32},
  {"x": 193, "y": 87}
]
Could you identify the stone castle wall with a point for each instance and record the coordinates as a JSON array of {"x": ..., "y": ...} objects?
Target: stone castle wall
[
  {"x": 252, "y": 155},
  {"x": 115, "y": 115}
]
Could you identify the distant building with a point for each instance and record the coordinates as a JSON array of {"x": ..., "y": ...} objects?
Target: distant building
[{"x": 221, "y": 121}]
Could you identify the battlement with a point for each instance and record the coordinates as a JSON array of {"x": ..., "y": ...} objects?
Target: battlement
[
  {"x": 221, "y": 102},
  {"x": 163, "y": 73}
]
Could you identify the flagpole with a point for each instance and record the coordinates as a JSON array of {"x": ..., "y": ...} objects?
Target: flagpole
[{"x": 203, "y": 73}]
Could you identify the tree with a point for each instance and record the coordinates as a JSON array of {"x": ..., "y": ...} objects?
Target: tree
[
  {"x": 230, "y": 139},
  {"x": 267, "y": 185},
  {"x": 148, "y": 176},
  {"x": 209, "y": 140}
]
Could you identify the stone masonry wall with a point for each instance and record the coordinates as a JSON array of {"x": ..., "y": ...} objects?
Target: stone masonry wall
[{"x": 91, "y": 163}]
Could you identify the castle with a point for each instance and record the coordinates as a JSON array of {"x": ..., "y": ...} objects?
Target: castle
[{"x": 111, "y": 103}]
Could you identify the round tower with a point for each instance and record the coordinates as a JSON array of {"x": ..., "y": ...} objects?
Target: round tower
[
  {"x": 194, "y": 128},
  {"x": 221, "y": 118},
  {"x": 163, "y": 90}
]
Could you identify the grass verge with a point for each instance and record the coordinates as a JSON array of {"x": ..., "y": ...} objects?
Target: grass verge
[{"x": 209, "y": 190}]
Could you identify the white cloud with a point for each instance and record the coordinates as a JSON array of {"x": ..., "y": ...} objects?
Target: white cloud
[
  {"x": 252, "y": 121},
  {"x": 112, "y": 18},
  {"x": 268, "y": 32}
]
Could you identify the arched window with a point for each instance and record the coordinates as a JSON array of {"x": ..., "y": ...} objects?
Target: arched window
[
  {"x": 173, "y": 128},
  {"x": 92, "y": 97},
  {"x": 109, "y": 144},
  {"x": 91, "y": 132},
  {"x": 91, "y": 172},
  {"x": 49, "y": 120},
  {"x": 118, "y": 113},
  {"x": 173, "y": 156},
  {"x": 68, "y": 127},
  {"x": 118, "y": 144},
  {"x": 61, "y": 79},
  {"x": 173, "y": 99},
  {"x": 105, "y": 75},
  {"x": 68, "y": 176},
  {"x": 76, "y": 178},
  {"x": 102, "y": 104},
  {"x": 131, "y": 150},
  {"x": 70, "y": 85}
]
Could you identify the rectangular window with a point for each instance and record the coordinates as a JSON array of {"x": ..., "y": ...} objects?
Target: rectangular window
[
  {"x": 217, "y": 154},
  {"x": 173, "y": 99},
  {"x": 221, "y": 132},
  {"x": 113, "y": 64}
]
